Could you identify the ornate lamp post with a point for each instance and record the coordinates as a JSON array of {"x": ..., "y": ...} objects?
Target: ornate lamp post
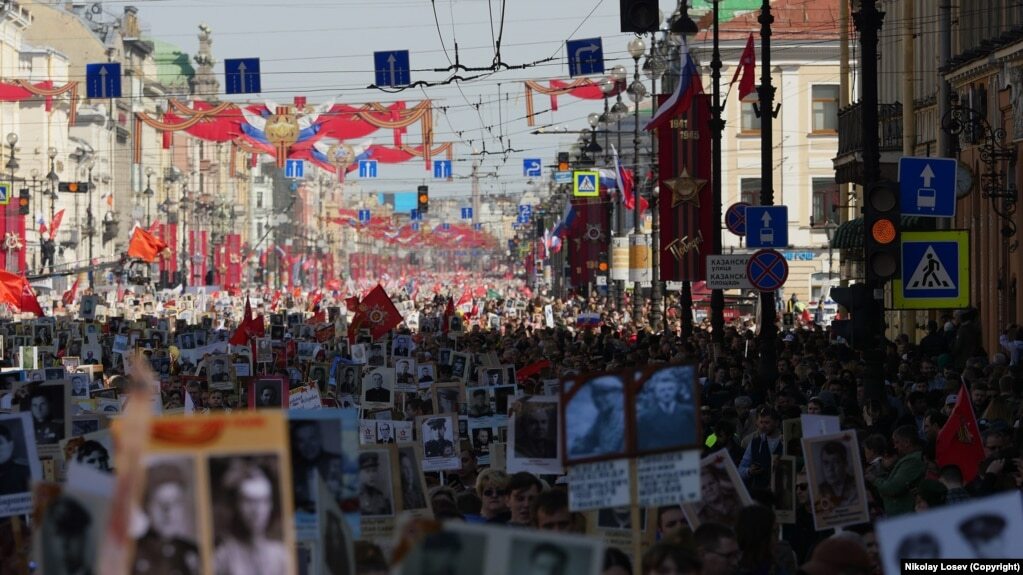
[
  {"x": 654, "y": 67},
  {"x": 12, "y": 243},
  {"x": 149, "y": 193},
  {"x": 637, "y": 91}
]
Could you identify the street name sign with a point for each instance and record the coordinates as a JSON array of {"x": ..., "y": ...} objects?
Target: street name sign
[{"x": 728, "y": 272}]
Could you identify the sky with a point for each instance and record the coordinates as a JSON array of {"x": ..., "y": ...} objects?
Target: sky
[{"x": 322, "y": 49}]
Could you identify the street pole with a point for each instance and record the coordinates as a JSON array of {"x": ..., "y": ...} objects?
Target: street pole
[
  {"x": 868, "y": 22},
  {"x": 636, "y": 49},
  {"x": 717, "y": 128},
  {"x": 768, "y": 314},
  {"x": 656, "y": 294}
]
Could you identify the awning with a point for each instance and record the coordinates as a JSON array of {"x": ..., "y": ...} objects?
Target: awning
[{"x": 849, "y": 235}]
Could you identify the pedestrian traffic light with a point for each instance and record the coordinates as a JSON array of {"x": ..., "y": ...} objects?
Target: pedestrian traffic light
[
  {"x": 24, "y": 202},
  {"x": 423, "y": 202},
  {"x": 881, "y": 222}
]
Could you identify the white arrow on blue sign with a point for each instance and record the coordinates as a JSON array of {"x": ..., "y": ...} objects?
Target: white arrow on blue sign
[
  {"x": 367, "y": 168},
  {"x": 294, "y": 169},
  {"x": 103, "y": 80},
  {"x": 364, "y": 216},
  {"x": 927, "y": 187},
  {"x": 532, "y": 167},
  {"x": 442, "y": 169},
  {"x": 392, "y": 68},
  {"x": 242, "y": 76},
  {"x": 585, "y": 57},
  {"x": 466, "y": 213},
  {"x": 767, "y": 226}
]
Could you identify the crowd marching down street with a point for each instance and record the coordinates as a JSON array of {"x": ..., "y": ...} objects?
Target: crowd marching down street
[{"x": 452, "y": 425}]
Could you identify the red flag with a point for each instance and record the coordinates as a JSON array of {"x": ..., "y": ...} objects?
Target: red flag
[
  {"x": 145, "y": 245},
  {"x": 69, "y": 296},
  {"x": 55, "y": 224},
  {"x": 352, "y": 303},
  {"x": 531, "y": 369},
  {"x": 377, "y": 312},
  {"x": 29, "y": 301},
  {"x": 248, "y": 328},
  {"x": 42, "y": 228},
  {"x": 449, "y": 312},
  {"x": 747, "y": 65},
  {"x": 16, "y": 291},
  {"x": 959, "y": 441},
  {"x": 465, "y": 302}
]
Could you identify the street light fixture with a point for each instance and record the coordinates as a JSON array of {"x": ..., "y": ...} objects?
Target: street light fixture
[
  {"x": 54, "y": 179},
  {"x": 637, "y": 48},
  {"x": 148, "y": 193}
]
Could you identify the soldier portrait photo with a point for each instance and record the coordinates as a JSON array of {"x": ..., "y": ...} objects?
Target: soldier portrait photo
[
  {"x": 19, "y": 463},
  {"x": 412, "y": 488},
  {"x": 595, "y": 418},
  {"x": 666, "y": 408},
  {"x": 835, "y": 477},
  {"x": 315, "y": 456},
  {"x": 268, "y": 393},
  {"x": 377, "y": 388},
  {"x": 448, "y": 553},
  {"x": 533, "y": 436},
  {"x": 45, "y": 402},
  {"x": 375, "y": 490},
  {"x": 437, "y": 437},
  {"x": 168, "y": 542}
]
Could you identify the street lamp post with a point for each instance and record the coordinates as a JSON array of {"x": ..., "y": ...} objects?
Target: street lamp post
[
  {"x": 12, "y": 166},
  {"x": 618, "y": 112},
  {"x": 54, "y": 180},
  {"x": 654, "y": 68},
  {"x": 636, "y": 47},
  {"x": 148, "y": 193}
]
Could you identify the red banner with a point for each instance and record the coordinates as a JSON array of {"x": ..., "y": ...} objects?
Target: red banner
[
  {"x": 588, "y": 238},
  {"x": 12, "y": 222},
  {"x": 686, "y": 200}
]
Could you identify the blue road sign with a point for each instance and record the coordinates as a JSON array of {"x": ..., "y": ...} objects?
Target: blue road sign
[
  {"x": 521, "y": 219},
  {"x": 767, "y": 270},
  {"x": 442, "y": 169},
  {"x": 585, "y": 57},
  {"x": 415, "y": 226},
  {"x": 466, "y": 213},
  {"x": 242, "y": 75},
  {"x": 103, "y": 80},
  {"x": 364, "y": 216},
  {"x": 935, "y": 270},
  {"x": 392, "y": 68},
  {"x": 477, "y": 227},
  {"x": 294, "y": 169},
  {"x": 445, "y": 226},
  {"x": 532, "y": 167},
  {"x": 735, "y": 218},
  {"x": 415, "y": 216},
  {"x": 367, "y": 168},
  {"x": 927, "y": 187},
  {"x": 526, "y": 211},
  {"x": 767, "y": 226},
  {"x": 5, "y": 196},
  {"x": 562, "y": 177}
]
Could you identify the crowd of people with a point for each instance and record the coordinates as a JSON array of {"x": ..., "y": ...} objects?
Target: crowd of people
[{"x": 740, "y": 417}]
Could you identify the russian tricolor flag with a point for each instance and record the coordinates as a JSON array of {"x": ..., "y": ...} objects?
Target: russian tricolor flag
[{"x": 689, "y": 85}]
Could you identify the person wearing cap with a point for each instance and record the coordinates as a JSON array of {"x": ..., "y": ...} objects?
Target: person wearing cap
[
  {"x": 985, "y": 534},
  {"x": 372, "y": 499},
  {"x": 440, "y": 445},
  {"x": 606, "y": 434}
]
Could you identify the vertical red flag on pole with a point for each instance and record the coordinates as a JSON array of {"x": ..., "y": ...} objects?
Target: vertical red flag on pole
[{"x": 959, "y": 441}]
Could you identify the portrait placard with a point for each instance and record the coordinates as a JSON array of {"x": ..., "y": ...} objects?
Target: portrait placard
[
  {"x": 533, "y": 442},
  {"x": 666, "y": 404},
  {"x": 722, "y": 493},
  {"x": 835, "y": 476},
  {"x": 439, "y": 442},
  {"x": 20, "y": 460},
  {"x": 594, "y": 417}
]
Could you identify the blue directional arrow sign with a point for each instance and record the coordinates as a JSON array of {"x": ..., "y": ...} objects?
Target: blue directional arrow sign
[
  {"x": 445, "y": 226},
  {"x": 415, "y": 226},
  {"x": 585, "y": 57},
  {"x": 927, "y": 187},
  {"x": 367, "y": 168},
  {"x": 242, "y": 75},
  {"x": 935, "y": 271},
  {"x": 532, "y": 167},
  {"x": 466, "y": 213},
  {"x": 364, "y": 216},
  {"x": 767, "y": 226},
  {"x": 415, "y": 216},
  {"x": 767, "y": 270},
  {"x": 477, "y": 227},
  {"x": 103, "y": 80},
  {"x": 294, "y": 169},
  {"x": 442, "y": 169},
  {"x": 392, "y": 68}
]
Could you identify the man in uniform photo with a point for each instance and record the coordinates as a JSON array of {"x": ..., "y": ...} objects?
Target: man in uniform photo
[
  {"x": 377, "y": 393},
  {"x": 668, "y": 422},
  {"x": 372, "y": 500},
  {"x": 440, "y": 445},
  {"x": 166, "y": 547}
]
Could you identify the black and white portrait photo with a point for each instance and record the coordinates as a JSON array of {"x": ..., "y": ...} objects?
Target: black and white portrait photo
[
  {"x": 246, "y": 503},
  {"x": 46, "y": 403},
  {"x": 533, "y": 436},
  {"x": 447, "y": 552},
  {"x": 268, "y": 393},
  {"x": 264, "y": 350},
  {"x": 783, "y": 485},
  {"x": 447, "y": 398},
  {"x": 595, "y": 419},
  {"x": 427, "y": 374},
  {"x": 405, "y": 375},
  {"x": 377, "y": 388},
  {"x": 168, "y": 541},
  {"x": 315, "y": 456},
  {"x": 492, "y": 377},
  {"x": 479, "y": 403},
  {"x": 412, "y": 487},
  {"x": 377, "y": 355},
  {"x": 375, "y": 490},
  {"x": 19, "y": 464},
  {"x": 666, "y": 408},
  {"x": 70, "y": 533},
  {"x": 722, "y": 493},
  {"x": 835, "y": 476},
  {"x": 360, "y": 355},
  {"x": 79, "y": 385},
  {"x": 438, "y": 440},
  {"x": 533, "y": 553},
  {"x": 459, "y": 366},
  {"x": 402, "y": 346},
  {"x": 385, "y": 432}
]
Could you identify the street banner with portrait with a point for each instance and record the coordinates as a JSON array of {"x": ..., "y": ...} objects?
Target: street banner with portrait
[
  {"x": 722, "y": 493},
  {"x": 835, "y": 477},
  {"x": 20, "y": 462},
  {"x": 324, "y": 449},
  {"x": 985, "y": 528},
  {"x": 438, "y": 437},
  {"x": 242, "y": 485},
  {"x": 533, "y": 442}
]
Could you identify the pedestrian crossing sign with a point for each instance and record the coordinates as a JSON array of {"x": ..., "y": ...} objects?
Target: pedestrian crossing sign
[
  {"x": 935, "y": 271},
  {"x": 5, "y": 194},
  {"x": 586, "y": 184}
]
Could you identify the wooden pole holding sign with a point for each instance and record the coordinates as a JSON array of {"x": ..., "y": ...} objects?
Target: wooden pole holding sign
[{"x": 634, "y": 515}]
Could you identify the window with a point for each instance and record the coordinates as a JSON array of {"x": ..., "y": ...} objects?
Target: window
[
  {"x": 825, "y": 108},
  {"x": 259, "y": 199},
  {"x": 750, "y": 123},
  {"x": 825, "y": 199},
  {"x": 750, "y": 188}
]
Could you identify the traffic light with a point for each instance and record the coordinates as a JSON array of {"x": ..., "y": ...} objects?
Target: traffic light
[
  {"x": 423, "y": 202},
  {"x": 563, "y": 161},
  {"x": 865, "y": 312},
  {"x": 881, "y": 223},
  {"x": 639, "y": 16},
  {"x": 602, "y": 263},
  {"x": 24, "y": 202},
  {"x": 73, "y": 187}
]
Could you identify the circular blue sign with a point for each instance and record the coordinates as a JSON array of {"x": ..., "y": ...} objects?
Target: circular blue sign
[
  {"x": 767, "y": 270},
  {"x": 735, "y": 218}
]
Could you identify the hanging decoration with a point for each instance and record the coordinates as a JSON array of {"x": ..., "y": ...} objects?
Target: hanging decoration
[
  {"x": 20, "y": 90},
  {"x": 583, "y": 88}
]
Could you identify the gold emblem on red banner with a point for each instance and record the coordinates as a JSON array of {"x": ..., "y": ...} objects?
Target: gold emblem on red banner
[{"x": 685, "y": 188}]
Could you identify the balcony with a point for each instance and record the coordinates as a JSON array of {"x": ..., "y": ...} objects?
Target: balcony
[{"x": 849, "y": 161}]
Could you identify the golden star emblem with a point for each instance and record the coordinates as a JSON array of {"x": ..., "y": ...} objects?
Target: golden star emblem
[{"x": 685, "y": 188}]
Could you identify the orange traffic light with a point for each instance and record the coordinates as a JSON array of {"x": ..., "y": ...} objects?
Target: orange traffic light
[{"x": 883, "y": 231}]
